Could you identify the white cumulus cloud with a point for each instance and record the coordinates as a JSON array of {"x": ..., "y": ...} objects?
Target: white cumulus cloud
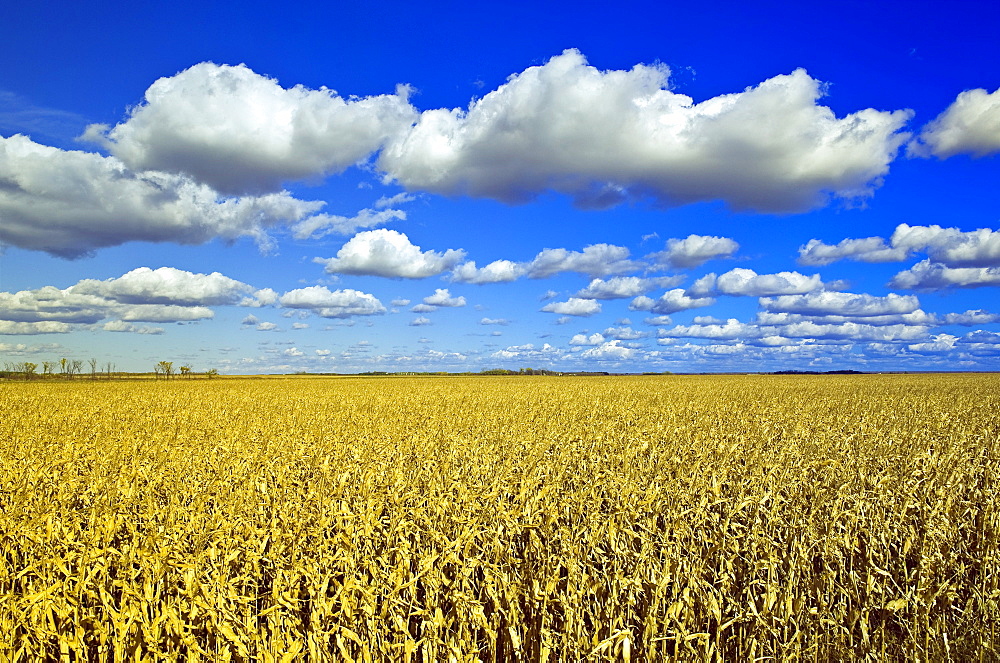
[
  {"x": 29, "y": 328},
  {"x": 970, "y": 125},
  {"x": 498, "y": 271},
  {"x": 951, "y": 246},
  {"x": 624, "y": 333},
  {"x": 605, "y": 136},
  {"x": 128, "y": 327},
  {"x": 165, "y": 294},
  {"x": 390, "y": 254},
  {"x": 442, "y": 298},
  {"x": 939, "y": 343},
  {"x": 574, "y": 306},
  {"x": 239, "y": 132},
  {"x": 321, "y": 225},
  {"x": 528, "y": 351},
  {"x": 166, "y": 285},
  {"x": 70, "y": 203},
  {"x": 583, "y": 339},
  {"x": 671, "y": 301},
  {"x": 970, "y": 318},
  {"x": 609, "y": 351},
  {"x": 842, "y": 303},
  {"x": 623, "y": 287},
  {"x": 595, "y": 261},
  {"x": 927, "y": 275},
  {"x": 332, "y": 304},
  {"x": 867, "y": 249},
  {"x": 748, "y": 283},
  {"x": 694, "y": 250}
]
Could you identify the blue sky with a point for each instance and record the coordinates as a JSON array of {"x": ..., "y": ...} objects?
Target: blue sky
[{"x": 704, "y": 187}]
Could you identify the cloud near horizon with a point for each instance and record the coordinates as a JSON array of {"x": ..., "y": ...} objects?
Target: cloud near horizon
[{"x": 161, "y": 295}]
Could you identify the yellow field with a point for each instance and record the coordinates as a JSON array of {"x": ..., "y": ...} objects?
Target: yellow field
[{"x": 501, "y": 519}]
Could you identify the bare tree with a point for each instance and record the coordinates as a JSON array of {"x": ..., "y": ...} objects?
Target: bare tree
[
  {"x": 109, "y": 368},
  {"x": 186, "y": 371},
  {"x": 47, "y": 367},
  {"x": 75, "y": 366},
  {"x": 28, "y": 369},
  {"x": 212, "y": 373},
  {"x": 93, "y": 368},
  {"x": 164, "y": 368}
]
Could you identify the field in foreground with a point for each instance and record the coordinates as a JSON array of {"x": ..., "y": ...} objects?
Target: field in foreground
[{"x": 502, "y": 519}]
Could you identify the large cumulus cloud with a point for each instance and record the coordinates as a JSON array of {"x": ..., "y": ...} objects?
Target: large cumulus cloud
[
  {"x": 69, "y": 203},
  {"x": 602, "y": 137},
  {"x": 241, "y": 132}
]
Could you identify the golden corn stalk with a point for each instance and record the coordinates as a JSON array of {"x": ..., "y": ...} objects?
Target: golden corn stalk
[{"x": 688, "y": 518}]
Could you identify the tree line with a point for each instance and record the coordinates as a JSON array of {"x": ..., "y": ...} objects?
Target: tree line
[{"x": 69, "y": 369}]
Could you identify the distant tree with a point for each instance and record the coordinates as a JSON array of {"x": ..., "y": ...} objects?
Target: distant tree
[
  {"x": 497, "y": 371},
  {"x": 212, "y": 372},
  {"x": 165, "y": 368},
  {"x": 47, "y": 367},
  {"x": 93, "y": 368},
  {"x": 64, "y": 363},
  {"x": 28, "y": 369},
  {"x": 185, "y": 371},
  {"x": 109, "y": 369}
]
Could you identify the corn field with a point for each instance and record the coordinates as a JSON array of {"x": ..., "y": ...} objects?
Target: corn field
[{"x": 653, "y": 518}]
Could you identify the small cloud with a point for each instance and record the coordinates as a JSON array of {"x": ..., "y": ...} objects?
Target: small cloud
[
  {"x": 442, "y": 298},
  {"x": 398, "y": 199},
  {"x": 574, "y": 306},
  {"x": 390, "y": 254},
  {"x": 121, "y": 326}
]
